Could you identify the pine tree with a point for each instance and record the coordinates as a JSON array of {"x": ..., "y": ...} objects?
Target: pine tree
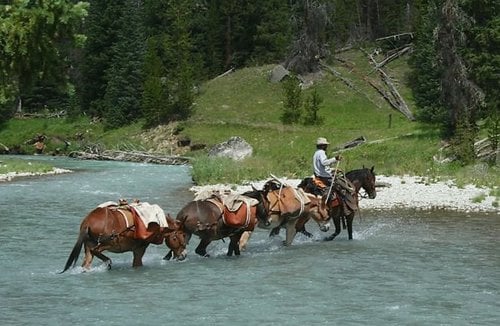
[
  {"x": 35, "y": 36},
  {"x": 292, "y": 103},
  {"x": 168, "y": 92},
  {"x": 426, "y": 75},
  {"x": 121, "y": 101},
  {"x": 102, "y": 29}
]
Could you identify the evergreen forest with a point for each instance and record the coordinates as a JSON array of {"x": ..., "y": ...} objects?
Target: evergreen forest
[{"x": 123, "y": 61}]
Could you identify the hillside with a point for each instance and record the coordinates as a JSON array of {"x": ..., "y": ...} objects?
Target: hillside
[{"x": 246, "y": 104}]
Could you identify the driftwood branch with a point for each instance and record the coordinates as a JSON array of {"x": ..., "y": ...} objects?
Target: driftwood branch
[{"x": 109, "y": 155}]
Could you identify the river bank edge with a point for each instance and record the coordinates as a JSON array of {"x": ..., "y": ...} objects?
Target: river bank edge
[{"x": 409, "y": 192}]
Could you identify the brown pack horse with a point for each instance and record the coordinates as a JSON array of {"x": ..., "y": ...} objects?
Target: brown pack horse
[
  {"x": 291, "y": 208},
  {"x": 360, "y": 178},
  {"x": 204, "y": 218},
  {"x": 112, "y": 228}
]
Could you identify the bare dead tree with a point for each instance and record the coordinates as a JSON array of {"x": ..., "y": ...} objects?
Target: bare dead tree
[{"x": 310, "y": 45}]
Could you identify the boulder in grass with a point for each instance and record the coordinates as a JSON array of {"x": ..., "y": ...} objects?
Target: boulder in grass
[
  {"x": 235, "y": 148},
  {"x": 278, "y": 73}
]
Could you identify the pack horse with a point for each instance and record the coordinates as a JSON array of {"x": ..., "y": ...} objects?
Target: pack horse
[{"x": 122, "y": 227}]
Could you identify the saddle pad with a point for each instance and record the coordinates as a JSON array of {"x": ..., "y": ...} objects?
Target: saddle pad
[
  {"x": 107, "y": 204},
  {"x": 302, "y": 196},
  {"x": 150, "y": 213},
  {"x": 233, "y": 202}
]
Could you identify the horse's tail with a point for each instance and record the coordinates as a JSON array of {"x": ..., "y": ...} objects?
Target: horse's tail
[{"x": 73, "y": 257}]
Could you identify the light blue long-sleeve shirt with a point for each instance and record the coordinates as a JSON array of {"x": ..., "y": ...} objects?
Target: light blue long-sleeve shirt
[{"x": 321, "y": 162}]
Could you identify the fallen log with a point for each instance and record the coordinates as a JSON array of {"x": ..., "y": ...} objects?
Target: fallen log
[{"x": 142, "y": 157}]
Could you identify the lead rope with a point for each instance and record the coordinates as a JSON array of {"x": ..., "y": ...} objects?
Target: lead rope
[{"x": 333, "y": 180}]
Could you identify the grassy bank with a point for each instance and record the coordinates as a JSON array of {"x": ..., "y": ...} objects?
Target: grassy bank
[
  {"x": 21, "y": 166},
  {"x": 246, "y": 104}
]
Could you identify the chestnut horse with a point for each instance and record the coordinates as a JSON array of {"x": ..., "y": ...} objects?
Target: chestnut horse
[
  {"x": 205, "y": 218},
  {"x": 291, "y": 208},
  {"x": 360, "y": 178},
  {"x": 113, "y": 228}
]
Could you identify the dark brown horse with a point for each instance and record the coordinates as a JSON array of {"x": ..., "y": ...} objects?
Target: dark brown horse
[
  {"x": 115, "y": 228},
  {"x": 361, "y": 178},
  {"x": 210, "y": 220}
]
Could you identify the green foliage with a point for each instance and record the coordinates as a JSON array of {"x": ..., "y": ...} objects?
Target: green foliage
[
  {"x": 292, "y": 103},
  {"x": 168, "y": 91},
  {"x": 23, "y": 166},
  {"x": 425, "y": 78},
  {"x": 463, "y": 142},
  {"x": 124, "y": 77},
  {"x": 311, "y": 109},
  {"x": 34, "y": 48},
  {"x": 102, "y": 30}
]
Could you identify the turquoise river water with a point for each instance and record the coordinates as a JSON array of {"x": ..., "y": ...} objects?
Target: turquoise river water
[{"x": 404, "y": 267}]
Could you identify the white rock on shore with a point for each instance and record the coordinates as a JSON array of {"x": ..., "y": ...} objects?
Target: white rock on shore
[
  {"x": 11, "y": 175},
  {"x": 401, "y": 192}
]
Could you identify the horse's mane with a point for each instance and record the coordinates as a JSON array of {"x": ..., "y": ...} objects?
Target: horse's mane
[
  {"x": 258, "y": 194},
  {"x": 358, "y": 172}
]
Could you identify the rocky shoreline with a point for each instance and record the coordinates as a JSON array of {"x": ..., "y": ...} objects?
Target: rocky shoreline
[
  {"x": 13, "y": 175},
  {"x": 401, "y": 192}
]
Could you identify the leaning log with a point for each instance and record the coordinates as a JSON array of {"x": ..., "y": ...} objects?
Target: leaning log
[
  {"x": 346, "y": 81},
  {"x": 397, "y": 100}
]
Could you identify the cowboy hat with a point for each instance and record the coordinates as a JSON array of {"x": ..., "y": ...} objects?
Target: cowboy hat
[{"x": 322, "y": 141}]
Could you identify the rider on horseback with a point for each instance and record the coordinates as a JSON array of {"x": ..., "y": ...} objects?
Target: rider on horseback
[{"x": 323, "y": 177}]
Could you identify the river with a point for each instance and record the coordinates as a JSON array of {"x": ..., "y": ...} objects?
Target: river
[{"x": 404, "y": 267}]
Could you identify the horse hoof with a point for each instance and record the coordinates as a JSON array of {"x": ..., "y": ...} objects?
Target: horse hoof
[
  {"x": 328, "y": 238},
  {"x": 307, "y": 234}
]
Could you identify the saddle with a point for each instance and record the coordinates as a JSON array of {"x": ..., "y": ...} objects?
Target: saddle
[
  {"x": 236, "y": 210},
  {"x": 342, "y": 193},
  {"x": 147, "y": 219}
]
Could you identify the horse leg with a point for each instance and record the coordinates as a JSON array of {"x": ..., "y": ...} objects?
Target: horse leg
[
  {"x": 97, "y": 251},
  {"x": 275, "y": 231},
  {"x": 300, "y": 226},
  {"x": 202, "y": 248},
  {"x": 138, "y": 254},
  {"x": 336, "y": 222},
  {"x": 290, "y": 232},
  {"x": 168, "y": 256},
  {"x": 244, "y": 240},
  {"x": 87, "y": 260},
  {"x": 234, "y": 245},
  {"x": 343, "y": 223},
  {"x": 350, "y": 218}
]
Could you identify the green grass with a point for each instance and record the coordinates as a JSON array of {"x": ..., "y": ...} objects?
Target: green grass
[
  {"x": 21, "y": 166},
  {"x": 244, "y": 103},
  {"x": 78, "y": 133}
]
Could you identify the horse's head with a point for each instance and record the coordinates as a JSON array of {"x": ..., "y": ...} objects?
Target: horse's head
[
  {"x": 271, "y": 185},
  {"x": 175, "y": 238},
  {"x": 318, "y": 210},
  {"x": 363, "y": 178}
]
